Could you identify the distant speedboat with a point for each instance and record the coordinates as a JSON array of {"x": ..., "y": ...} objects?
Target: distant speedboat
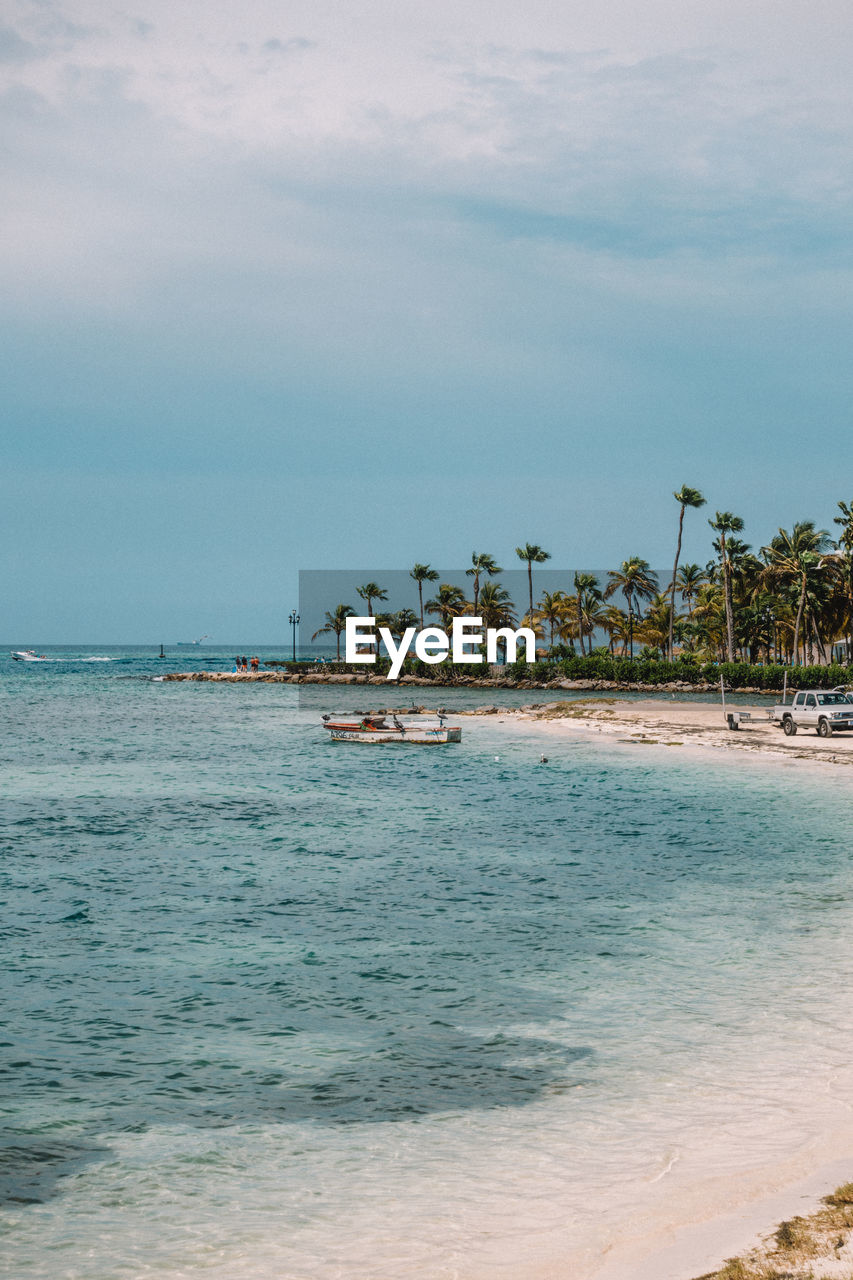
[
  {"x": 28, "y": 655},
  {"x": 376, "y": 728}
]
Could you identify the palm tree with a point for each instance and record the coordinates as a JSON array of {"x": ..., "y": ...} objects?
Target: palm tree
[
  {"x": 592, "y": 614},
  {"x": 449, "y": 603},
  {"x": 422, "y": 573},
  {"x": 496, "y": 608},
  {"x": 552, "y": 612},
  {"x": 587, "y": 595},
  {"x": 844, "y": 545},
  {"x": 725, "y": 524},
  {"x": 371, "y": 591},
  {"x": 685, "y": 497},
  {"x": 481, "y": 563},
  {"x": 655, "y": 627},
  {"x": 636, "y": 581},
  {"x": 397, "y": 623},
  {"x": 404, "y": 619},
  {"x": 615, "y": 622},
  {"x": 336, "y": 623},
  {"x": 747, "y": 580},
  {"x": 533, "y": 555},
  {"x": 795, "y": 560},
  {"x": 690, "y": 579},
  {"x": 709, "y": 619}
]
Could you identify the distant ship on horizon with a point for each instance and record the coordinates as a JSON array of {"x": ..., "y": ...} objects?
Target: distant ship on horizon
[{"x": 186, "y": 644}]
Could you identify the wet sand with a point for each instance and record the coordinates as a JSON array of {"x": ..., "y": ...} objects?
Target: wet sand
[{"x": 675, "y": 724}]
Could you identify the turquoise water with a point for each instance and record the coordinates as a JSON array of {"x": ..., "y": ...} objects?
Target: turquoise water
[{"x": 279, "y": 1008}]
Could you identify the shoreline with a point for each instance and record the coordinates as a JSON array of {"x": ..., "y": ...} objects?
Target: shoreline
[
  {"x": 706, "y": 1226},
  {"x": 676, "y": 726},
  {"x": 709, "y": 1247},
  {"x": 467, "y": 682},
  {"x": 700, "y": 1223}
]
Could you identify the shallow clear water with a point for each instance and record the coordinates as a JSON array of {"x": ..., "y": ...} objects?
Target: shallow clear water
[{"x": 282, "y": 1008}]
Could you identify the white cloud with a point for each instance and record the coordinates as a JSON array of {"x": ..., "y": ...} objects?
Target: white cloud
[{"x": 389, "y": 170}]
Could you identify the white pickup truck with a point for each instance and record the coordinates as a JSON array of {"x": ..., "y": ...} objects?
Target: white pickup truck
[{"x": 824, "y": 710}]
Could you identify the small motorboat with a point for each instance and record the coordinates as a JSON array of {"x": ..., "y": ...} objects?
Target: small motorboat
[
  {"x": 388, "y": 728},
  {"x": 28, "y": 655}
]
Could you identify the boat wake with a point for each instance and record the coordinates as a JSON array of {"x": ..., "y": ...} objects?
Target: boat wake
[{"x": 62, "y": 657}]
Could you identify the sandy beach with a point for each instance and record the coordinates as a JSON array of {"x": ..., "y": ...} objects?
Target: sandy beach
[
  {"x": 690, "y": 1233},
  {"x": 676, "y": 724}
]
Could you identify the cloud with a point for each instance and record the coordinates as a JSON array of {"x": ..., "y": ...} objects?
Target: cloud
[
  {"x": 13, "y": 48},
  {"x": 293, "y": 45},
  {"x": 539, "y": 224}
]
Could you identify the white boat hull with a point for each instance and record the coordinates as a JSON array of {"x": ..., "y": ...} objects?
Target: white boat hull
[{"x": 377, "y": 731}]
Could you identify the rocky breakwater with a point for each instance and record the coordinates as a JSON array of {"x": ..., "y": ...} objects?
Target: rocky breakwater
[{"x": 466, "y": 682}]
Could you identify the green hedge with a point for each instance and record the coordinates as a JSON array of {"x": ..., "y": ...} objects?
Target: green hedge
[{"x": 737, "y": 675}]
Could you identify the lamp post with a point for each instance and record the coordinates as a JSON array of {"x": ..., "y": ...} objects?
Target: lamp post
[{"x": 294, "y": 623}]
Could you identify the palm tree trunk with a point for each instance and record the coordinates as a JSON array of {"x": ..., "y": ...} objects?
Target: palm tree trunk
[
  {"x": 799, "y": 618},
  {"x": 580, "y": 629},
  {"x": 421, "y": 600},
  {"x": 730, "y": 622},
  {"x": 476, "y": 591},
  {"x": 672, "y": 586},
  {"x": 530, "y": 584},
  {"x": 821, "y": 648},
  {"x": 800, "y": 608},
  {"x": 727, "y": 580}
]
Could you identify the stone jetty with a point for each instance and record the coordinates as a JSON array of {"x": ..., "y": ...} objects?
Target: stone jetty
[{"x": 461, "y": 682}]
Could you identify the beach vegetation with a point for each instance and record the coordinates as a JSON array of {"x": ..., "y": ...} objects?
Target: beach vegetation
[
  {"x": 336, "y": 624},
  {"x": 532, "y": 554},
  {"x": 842, "y": 1195},
  {"x": 480, "y": 564},
  {"x": 369, "y": 592},
  {"x": 636, "y": 581},
  {"x": 800, "y": 1248},
  {"x": 588, "y": 603},
  {"x": 792, "y": 1234},
  {"x": 554, "y": 612},
  {"x": 448, "y": 603},
  {"x": 685, "y": 497},
  {"x": 844, "y": 553},
  {"x": 689, "y": 579},
  {"x": 743, "y": 616},
  {"x": 726, "y": 524},
  {"x": 422, "y": 573}
]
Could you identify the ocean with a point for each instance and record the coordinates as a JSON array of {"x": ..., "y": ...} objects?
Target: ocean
[{"x": 278, "y": 1009}]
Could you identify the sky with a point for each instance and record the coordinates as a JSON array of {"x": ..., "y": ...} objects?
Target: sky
[{"x": 325, "y": 286}]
